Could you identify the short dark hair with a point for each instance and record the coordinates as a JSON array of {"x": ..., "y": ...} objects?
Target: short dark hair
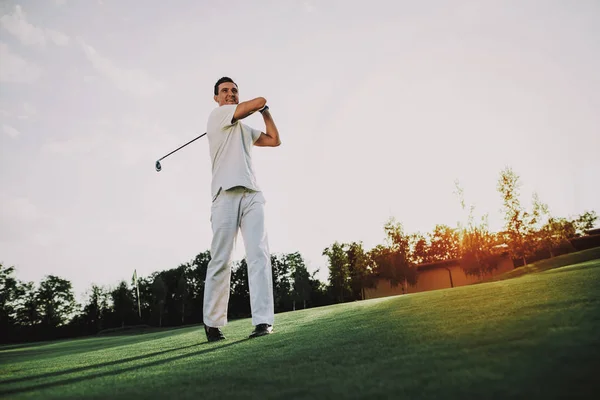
[{"x": 223, "y": 80}]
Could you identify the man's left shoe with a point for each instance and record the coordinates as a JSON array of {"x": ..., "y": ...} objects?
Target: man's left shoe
[
  {"x": 213, "y": 334},
  {"x": 261, "y": 330}
]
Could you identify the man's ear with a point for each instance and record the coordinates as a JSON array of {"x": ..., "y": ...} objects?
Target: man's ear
[{"x": 215, "y": 97}]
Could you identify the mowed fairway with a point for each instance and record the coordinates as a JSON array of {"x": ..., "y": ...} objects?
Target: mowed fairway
[{"x": 536, "y": 336}]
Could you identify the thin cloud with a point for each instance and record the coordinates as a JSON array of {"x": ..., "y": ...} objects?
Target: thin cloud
[
  {"x": 28, "y": 34},
  {"x": 309, "y": 7},
  {"x": 14, "y": 69},
  {"x": 58, "y": 38},
  {"x": 134, "y": 81},
  {"x": 75, "y": 145},
  {"x": 21, "y": 220},
  {"x": 27, "y": 111},
  {"x": 10, "y": 131}
]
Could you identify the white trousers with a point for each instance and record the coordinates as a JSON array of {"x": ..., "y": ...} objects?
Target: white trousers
[{"x": 234, "y": 210}]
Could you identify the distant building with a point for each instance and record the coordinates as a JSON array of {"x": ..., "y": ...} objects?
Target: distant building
[
  {"x": 437, "y": 275},
  {"x": 591, "y": 232}
]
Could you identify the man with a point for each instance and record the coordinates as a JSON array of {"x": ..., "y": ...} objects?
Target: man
[{"x": 237, "y": 205}]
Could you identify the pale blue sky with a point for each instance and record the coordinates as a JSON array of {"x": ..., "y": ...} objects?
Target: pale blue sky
[{"x": 381, "y": 106}]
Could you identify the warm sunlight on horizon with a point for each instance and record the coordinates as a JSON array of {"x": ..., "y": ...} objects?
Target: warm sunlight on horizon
[{"x": 381, "y": 108}]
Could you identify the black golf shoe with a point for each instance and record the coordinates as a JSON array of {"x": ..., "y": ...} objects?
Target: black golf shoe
[
  {"x": 213, "y": 334},
  {"x": 261, "y": 330}
]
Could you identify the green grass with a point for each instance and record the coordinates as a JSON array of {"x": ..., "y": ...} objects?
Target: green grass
[
  {"x": 536, "y": 337},
  {"x": 549, "y": 263}
]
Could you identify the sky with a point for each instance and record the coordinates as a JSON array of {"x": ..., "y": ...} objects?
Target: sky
[{"x": 381, "y": 107}]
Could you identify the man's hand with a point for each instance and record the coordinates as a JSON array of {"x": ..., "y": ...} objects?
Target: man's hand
[{"x": 271, "y": 137}]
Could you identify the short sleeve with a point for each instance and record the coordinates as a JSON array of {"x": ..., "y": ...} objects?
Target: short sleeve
[
  {"x": 222, "y": 116},
  {"x": 255, "y": 134}
]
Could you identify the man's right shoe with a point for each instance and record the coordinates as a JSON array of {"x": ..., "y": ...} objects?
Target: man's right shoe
[
  {"x": 213, "y": 334},
  {"x": 261, "y": 330}
]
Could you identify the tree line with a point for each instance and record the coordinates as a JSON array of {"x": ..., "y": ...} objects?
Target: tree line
[
  {"x": 167, "y": 298},
  {"x": 174, "y": 297}
]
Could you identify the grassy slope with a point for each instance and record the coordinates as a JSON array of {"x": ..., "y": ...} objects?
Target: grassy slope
[
  {"x": 533, "y": 337},
  {"x": 550, "y": 263}
]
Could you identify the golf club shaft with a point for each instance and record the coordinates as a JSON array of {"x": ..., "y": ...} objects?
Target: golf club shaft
[{"x": 182, "y": 146}]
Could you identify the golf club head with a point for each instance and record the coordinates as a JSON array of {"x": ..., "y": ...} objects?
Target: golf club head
[{"x": 158, "y": 167}]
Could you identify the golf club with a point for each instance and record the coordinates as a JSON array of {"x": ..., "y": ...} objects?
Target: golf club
[{"x": 159, "y": 167}]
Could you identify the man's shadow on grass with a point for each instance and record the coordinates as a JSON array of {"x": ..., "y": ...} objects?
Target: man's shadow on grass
[{"x": 107, "y": 364}]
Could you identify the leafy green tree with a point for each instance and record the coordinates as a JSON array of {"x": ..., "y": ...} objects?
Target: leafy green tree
[
  {"x": 339, "y": 271},
  {"x": 196, "y": 281},
  {"x": 548, "y": 233},
  {"x": 9, "y": 293},
  {"x": 123, "y": 301},
  {"x": 392, "y": 266},
  {"x": 301, "y": 279},
  {"x": 555, "y": 234},
  {"x": 56, "y": 301},
  {"x": 476, "y": 249},
  {"x": 517, "y": 220},
  {"x": 182, "y": 291},
  {"x": 146, "y": 300},
  {"x": 444, "y": 243},
  {"x": 95, "y": 310},
  {"x": 320, "y": 294},
  {"x": 26, "y": 307},
  {"x": 159, "y": 295},
  {"x": 419, "y": 246},
  {"x": 394, "y": 260},
  {"x": 360, "y": 270},
  {"x": 176, "y": 288},
  {"x": 282, "y": 282},
  {"x": 477, "y": 243},
  {"x": 585, "y": 222},
  {"x": 239, "y": 300}
]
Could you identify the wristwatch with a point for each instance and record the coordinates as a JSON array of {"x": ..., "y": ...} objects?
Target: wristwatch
[{"x": 265, "y": 108}]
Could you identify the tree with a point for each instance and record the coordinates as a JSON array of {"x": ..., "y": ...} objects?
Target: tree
[
  {"x": 282, "y": 283},
  {"x": 419, "y": 249},
  {"x": 26, "y": 308},
  {"x": 395, "y": 261},
  {"x": 444, "y": 244},
  {"x": 548, "y": 232},
  {"x": 94, "y": 312},
  {"x": 181, "y": 293},
  {"x": 159, "y": 295},
  {"x": 338, "y": 271},
  {"x": 517, "y": 227},
  {"x": 239, "y": 300},
  {"x": 400, "y": 258},
  {"x": 56, "y": 301},
  {"x": 301, "y": 279},
  {"x": 197, "y": 278},
  {"x": 9, "y": 293},
  {"x": 123, "y": 303},
  {"x": 585, "y": 222},
  {"x": 320, "y": 293},
  {"x": 360, "y": 270},
  {"x": 476, "y": 249},
  {"x": 476, "y": 242}
]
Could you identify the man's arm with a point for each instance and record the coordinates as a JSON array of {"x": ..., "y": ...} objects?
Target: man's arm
[
  {"x": 271, "y": 137},
  {"x": 246, "y": 108}
]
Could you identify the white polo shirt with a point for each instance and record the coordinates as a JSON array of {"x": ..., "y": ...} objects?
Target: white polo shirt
[{"x": 230, "y": 148}]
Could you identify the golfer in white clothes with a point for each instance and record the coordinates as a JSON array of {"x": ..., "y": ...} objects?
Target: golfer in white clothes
[{"x": 237, "y": 204}]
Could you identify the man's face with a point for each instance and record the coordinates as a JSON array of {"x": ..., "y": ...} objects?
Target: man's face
[{"x": 227, "y": 94}]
